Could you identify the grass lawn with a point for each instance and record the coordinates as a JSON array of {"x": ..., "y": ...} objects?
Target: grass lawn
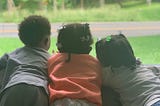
[{"x": 145, "y": 47}]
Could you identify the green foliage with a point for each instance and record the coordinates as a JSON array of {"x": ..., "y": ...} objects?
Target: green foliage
[
  {"x": 35, "y": 4},
  {"x": 3, "y": 4},
  {"x": 132, "y": 11},
  {"x": 31, "y": 5}
]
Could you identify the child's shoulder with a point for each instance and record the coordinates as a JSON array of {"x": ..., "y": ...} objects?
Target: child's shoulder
[
  {"x": 87, "y": 57},
  {"x": 56, "y": 56},
  {"x": 79, "y": 57},
  {"x": 155, "y": 68},
  {"x": 14, "y": 51}
]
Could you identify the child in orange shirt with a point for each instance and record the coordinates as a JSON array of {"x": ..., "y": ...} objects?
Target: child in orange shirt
[{"x": 75, "y": 75}]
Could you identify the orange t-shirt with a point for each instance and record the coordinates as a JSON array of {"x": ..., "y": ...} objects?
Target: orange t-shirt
[{"x": 80, "y": 78}]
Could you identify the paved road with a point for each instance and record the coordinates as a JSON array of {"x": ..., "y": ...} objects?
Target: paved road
[{"x": 98, "y": 29}]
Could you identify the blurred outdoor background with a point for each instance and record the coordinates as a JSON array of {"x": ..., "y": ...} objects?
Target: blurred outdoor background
[
  {"x": 81, "y": 10},
  {"x": 117, "y": 15}
]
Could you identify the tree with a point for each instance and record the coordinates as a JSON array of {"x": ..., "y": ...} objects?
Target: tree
[
  {"x": 82, "y": 4},
  {"x": 102, "y": 2},
  {"x": 10, "y": 5},
  {"x": 63, "y": 5},
  {"x": 43, "y": 4},
  {"x": 149, "y": 2},
  {"x": 55, "y": 5},
  {"x": 120, "y": 3},
  {"x": 0, "y": 5}
]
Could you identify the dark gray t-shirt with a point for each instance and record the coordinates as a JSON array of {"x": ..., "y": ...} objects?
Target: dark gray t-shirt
[
  {"x": 139, "y": 87},
  {"x": 25, "y": 65}
]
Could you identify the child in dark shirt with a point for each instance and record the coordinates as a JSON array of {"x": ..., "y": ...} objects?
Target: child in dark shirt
[
  {"x": 25, "y": 69},
  {"x": 135, "y": 84}
]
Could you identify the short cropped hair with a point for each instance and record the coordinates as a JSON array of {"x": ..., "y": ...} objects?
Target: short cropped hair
[
  {"x": 33, "y": 29},
  {"x": 115, "y": 51},
  {"x": 74, "y": 38}
]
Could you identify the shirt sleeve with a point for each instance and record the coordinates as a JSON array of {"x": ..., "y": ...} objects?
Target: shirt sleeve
[
  {"x": 155, "y": 69},
  {"x": 110, "y": 97},
  {"x": 3, "y": 61}
]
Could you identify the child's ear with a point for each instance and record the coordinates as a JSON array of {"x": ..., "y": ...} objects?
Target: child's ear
[{"x": 47, "y": 42}]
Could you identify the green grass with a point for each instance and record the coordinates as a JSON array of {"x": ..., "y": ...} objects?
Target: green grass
[
  {"x": 145, "y": 47},
  {"x": 132, "y": 11},
  {"x": 9, "y": 44}
]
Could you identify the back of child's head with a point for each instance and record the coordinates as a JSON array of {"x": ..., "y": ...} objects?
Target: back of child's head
[
  {"x": 74, "y": 38},
  {"x": 33, "y": 29},
  {"x": 115, "y": 51}
]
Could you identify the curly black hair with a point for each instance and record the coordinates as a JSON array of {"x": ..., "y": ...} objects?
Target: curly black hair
[
  {"x": 33, "y": 28},
  {"x": 115, "y": 51},
  {"x": 75, "y": 38}
]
